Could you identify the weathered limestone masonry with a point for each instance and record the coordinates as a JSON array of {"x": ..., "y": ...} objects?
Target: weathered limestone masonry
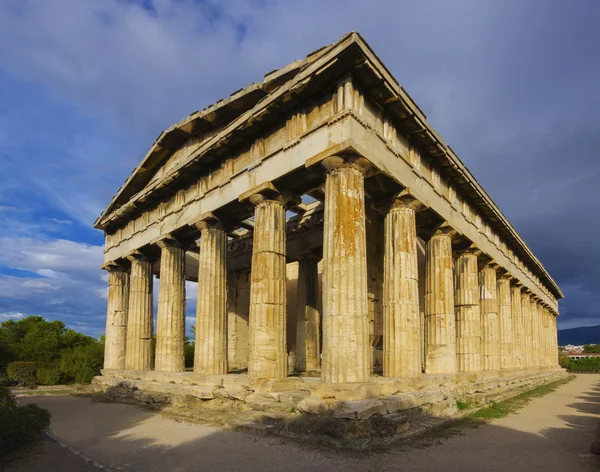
[
  {"x": 116, "y": 317},
  {"x": 333, "y": 235}
]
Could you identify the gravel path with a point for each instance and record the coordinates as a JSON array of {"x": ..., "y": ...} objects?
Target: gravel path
[{"x": 552, "y": 433}]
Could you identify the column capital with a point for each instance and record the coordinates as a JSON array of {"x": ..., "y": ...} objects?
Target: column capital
[
  {"x": 137, "y": 255},
  {"x": 208, "y": 220},
  {"x": 445, "y": 229},
  {"x": 267, "y": 191},
  {"x": 114, "y": 266},
  {"x": 470, "y": 249},
  {"x": 332, "y": 163},
  {"x": 406, "y": 199},
  {"x": 168, "y": 240}
]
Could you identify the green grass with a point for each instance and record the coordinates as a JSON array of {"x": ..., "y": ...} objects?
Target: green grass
[
  {"x": 503, "y": 408},
  {"x": 492, "y": 411},
  {"x": 462, "y": 405}
]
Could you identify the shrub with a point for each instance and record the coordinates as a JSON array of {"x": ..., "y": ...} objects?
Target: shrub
[
  {"x": 586, "y": 364},
  {"x": 48, "y": 375},
  {"x": 19, "y": 425},
  {"x": 23, "y": 373},
  {"x": 4, "y": 380},
  {"x": 82, "y": 364}
]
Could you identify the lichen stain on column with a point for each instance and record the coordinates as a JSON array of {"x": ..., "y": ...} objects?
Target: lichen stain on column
[{"x": 345, "y": 317}]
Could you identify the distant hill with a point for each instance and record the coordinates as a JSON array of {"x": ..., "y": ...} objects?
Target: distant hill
[{"x": 578, "y": 336}]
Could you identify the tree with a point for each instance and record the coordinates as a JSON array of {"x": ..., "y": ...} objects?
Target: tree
[
  {"x": 61, "y": 355},
  {"x": 591, "y": 348}
]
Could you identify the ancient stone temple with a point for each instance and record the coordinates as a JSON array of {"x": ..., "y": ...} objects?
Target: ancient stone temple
[{"x": 341, "y": 250}]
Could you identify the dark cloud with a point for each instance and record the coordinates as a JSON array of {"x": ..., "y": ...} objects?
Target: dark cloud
[{"x": 85, "y": 88}]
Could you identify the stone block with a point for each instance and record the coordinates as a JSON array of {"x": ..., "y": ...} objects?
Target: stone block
[
  {"x": 360, "y": 409},
  {"x": 395, "y": 403},
  {"x": 313, "y": 406}
]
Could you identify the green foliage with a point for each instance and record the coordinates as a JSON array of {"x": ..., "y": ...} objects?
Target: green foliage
[
  {"x": 462, "y": 405},
  {"x": 82, "y": 363},
  {"x": 189, "y": 354},
  {"x": 4, "y": 380},
  {"x": 563, "y": 360},
  {"x": 591, "y": 348},
  {"x": 22, "y": 373},
  {"x": 586, "y": 364},
  {"x": 48, "y": 374},
  {"x": 19, "y": 425},
  {"x": 61, "y": 354}
]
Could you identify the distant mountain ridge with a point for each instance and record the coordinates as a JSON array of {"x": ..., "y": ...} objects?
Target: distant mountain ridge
[{"x": 578, "y": 336}]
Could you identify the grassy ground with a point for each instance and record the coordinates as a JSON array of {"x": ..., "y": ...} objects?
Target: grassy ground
[{"x": 486, "y": 414}]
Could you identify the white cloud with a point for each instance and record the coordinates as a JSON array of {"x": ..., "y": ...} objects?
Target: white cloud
[{"x": 11, "y": 316}]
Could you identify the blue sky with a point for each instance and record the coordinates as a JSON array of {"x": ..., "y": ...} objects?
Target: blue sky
[{"x": 87, "y": 85}]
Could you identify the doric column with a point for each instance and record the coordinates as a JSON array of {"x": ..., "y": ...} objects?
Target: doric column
[
  {"x": 138, "y": 351},
  {"x": 545, "y": 336},
  {"x": 308, "y": 320},
  {"x": 440, "y": 324},
  {"x": 170, "y": 324},
  {"x": 401, "y": 320},
  {"x": 116, "y": 317},
  {"x": 527, "y": 332},
  {"x": 468, "y": 313},
  {"x": 345, "y": 311},
  {"x": 518, "y": 335},
  {"x": 507, "y": 360},
  {"x": 535, "y": 329},
  {"x": 490, "y": 326},
  {"x": 267, "y": 324},
  {"x": 210, "y": 354},
  {"x": 554, "y": 342}
]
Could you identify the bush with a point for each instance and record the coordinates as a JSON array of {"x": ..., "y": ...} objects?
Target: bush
[
  {"x": 586, "y": 364},
  {"x": 82, "y": 364},
  {"x": 22, "y": 373},
  {"x": 4, "y": 380},
  {"x": 19, "y": 425},
  {"x": 48, "y": 375}
]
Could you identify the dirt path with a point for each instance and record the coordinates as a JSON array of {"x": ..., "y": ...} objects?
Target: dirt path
[{"x": 553, "y": 433}]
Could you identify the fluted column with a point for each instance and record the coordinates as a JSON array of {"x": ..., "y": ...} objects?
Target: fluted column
[
  {"x": 210, "y": 354},
  {"x": 267, "y": 323},
  {"x": 170, "y": 324},
  {"x": 401, "y": 320},
  {"x": 554, "y": 348},
  {"x": 116, "y": 317},
  {"x": 308, "y": 320},
  {"x": 535, "y": 329},
  {"x": 138, "y": 351},
  {"x": 440, "y": 324},
  {"x": 468, "y": 313},
  {"x": 490, "y": 325},
  {"x": 527, "y": 331},
  {"x": 345, "y": 311},
  {"x": 518, "y": 335},
  {"x": 546, "y": 337},
  {"x": 507, "y": 360}
]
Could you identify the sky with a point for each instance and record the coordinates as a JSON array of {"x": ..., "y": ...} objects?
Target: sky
[{"x": 87, "y": 85}]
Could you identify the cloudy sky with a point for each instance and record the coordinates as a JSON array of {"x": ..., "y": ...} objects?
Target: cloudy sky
[{"x": 87, "y": 85}]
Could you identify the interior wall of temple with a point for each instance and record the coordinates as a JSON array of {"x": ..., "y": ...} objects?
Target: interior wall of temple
[
  {"x": 375, "y": 253},
  {"x": 421, "y": 269},
  {"x": 291, "y": 275},
  {"x": 237, "y": 319}
]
